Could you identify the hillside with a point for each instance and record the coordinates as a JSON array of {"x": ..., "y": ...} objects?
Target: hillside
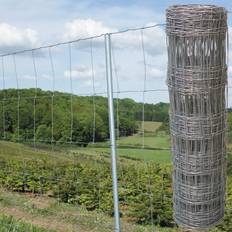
[
  {"x": 59, "y": 190},
  {"x": 37, "y": 213},
  {"x": 38, "y": 184}
]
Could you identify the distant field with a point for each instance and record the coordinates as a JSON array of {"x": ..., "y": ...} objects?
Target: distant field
[
  {"x": 151, "y": 138},
  {"x": 162, "y": 155},
  {"x": 151, "y": 126},
  {"x": 156, "y": 146},
  {"x": 16, "y": 151},
  {"x": 155, "y": 141},
  {"x": 159, "y": 156}
]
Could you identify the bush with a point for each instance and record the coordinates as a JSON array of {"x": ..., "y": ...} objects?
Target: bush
[{"x": 88, "y": 182}]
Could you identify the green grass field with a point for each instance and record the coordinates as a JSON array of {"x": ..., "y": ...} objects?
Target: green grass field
[
  {"x": 156, "y": 145},
  {"x": 158, "y": 156},
  {"x": 150, "y": 126},
  {"x": 157, "y": 149},
  {"x": 151, "y": 138},
  {"x": 150, "y": 141}
]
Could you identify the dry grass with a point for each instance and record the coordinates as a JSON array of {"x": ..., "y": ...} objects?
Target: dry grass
[{"x": 51, "y": 215}]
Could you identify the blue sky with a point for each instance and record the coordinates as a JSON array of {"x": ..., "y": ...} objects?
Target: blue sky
[
  {"x": 26, "y": 24},
  {"x": 49, "y": 17}
]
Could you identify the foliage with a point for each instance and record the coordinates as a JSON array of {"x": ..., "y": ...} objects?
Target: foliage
[
  {"x": 145, "y": 191},
  {"x": 50, "y": 113},
  {"x": 86, "y": 180},
  {"x": 164, "y": 129}
]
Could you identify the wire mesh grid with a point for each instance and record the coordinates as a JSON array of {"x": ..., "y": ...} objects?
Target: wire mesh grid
[
  {"x": 95, "y": 183},
  {"x": 197, "y": 79},
  {"x": 139, "y": 182}
]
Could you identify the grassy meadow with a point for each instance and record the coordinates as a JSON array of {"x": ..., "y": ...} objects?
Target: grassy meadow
[{"x": 156, "y": 145}]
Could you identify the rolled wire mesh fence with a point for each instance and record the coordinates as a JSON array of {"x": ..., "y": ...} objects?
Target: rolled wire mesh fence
[
  {"x": 197, "y": 79},
  {"x": 43, "y": 95}
]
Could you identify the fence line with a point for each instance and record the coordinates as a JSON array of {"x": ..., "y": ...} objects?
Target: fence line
[{"x": 112, "y": 73}]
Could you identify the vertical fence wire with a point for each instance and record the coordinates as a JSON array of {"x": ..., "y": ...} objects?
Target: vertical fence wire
[
  {"x": 97, "y": 155},
  {"x": 52, "y": 97},
  {"x": 71, "y": 90},
  {"x": 18, "y": 98},
  {"x": 3, "y": 99},
  {"x": 94, "y": 91},
  {"x": 35, "y": 96},
  {"x": 121, "y": 167},
  {"x": 149, "y": 184},
  {"x": 117, "y": 93},
  {"x": 144, "y": 85}
]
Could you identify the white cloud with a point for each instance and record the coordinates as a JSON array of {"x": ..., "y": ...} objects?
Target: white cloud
[
  {"x": 83, "y": 28},
  {"x": 82, "y": 75},
  {"x": 154, "y": 38},
  {"x": 14, "y": 39},
  {"x": 155, "y": 72},
  {"x": 81, "y": 72}
]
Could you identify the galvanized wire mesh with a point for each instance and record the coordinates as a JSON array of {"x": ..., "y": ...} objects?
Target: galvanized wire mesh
[{"x": 197, "y": 79}]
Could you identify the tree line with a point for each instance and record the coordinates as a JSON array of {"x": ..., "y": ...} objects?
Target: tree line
[{"x": 28, "y": 114}]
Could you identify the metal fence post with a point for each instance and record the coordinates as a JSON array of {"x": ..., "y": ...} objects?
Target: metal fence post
[{"x": 112, "y": 129}]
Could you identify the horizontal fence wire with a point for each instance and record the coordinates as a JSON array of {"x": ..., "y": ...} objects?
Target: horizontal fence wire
[{"x": 82, "y": 39}]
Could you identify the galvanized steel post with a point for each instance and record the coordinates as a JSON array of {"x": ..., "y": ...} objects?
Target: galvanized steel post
[{"x": 112, "y": 129}]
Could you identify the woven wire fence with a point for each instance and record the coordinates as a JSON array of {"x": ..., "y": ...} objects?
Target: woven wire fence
[
  {"x": 57, "y": 69},
  {"x": 49, "y": 76},
  {"x": 197, "y": 79}
]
